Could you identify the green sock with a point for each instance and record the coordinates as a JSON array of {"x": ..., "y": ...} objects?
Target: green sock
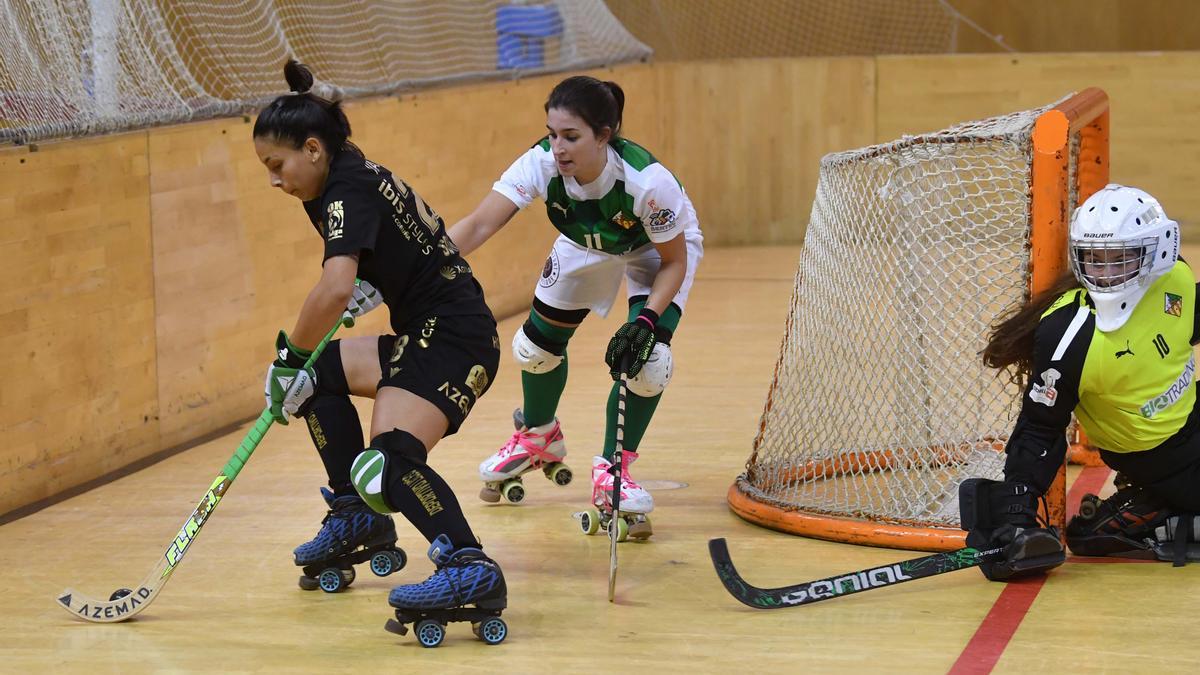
[
  {"x": 638, "y": 410},
  {"x": 542, "y": 392}
]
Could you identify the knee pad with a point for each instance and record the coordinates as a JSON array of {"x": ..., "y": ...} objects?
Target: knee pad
[
  {"x": 395, "y": 450},
  {"x": 530, "y": 356},
  {"x": 654, "y": 376}
]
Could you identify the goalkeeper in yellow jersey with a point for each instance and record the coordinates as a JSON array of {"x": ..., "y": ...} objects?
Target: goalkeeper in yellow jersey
[{"x": 1112, "y": 342}]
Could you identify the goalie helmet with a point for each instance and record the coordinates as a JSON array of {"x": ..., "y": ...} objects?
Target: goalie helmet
[{"x": 1120, "y": 242}]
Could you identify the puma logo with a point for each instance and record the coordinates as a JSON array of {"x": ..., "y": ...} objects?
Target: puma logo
[
  {"x": 1125, "y": 351},
  {"x": 560, "y": 207}
]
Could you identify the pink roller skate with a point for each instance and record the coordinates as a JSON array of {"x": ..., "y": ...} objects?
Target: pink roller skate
[
  {"x": 541, "y": 447},
  {"x": 636, "y": 502}
]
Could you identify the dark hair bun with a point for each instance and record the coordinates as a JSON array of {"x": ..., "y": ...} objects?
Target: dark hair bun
[
  {"x": 618, "y": 95},
  {"x": 299, "y": 77}
]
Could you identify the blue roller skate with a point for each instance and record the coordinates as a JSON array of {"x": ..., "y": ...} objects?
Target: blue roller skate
[
  {"x": 463, "y": 577},
  {"x": 350, "y": 534}
]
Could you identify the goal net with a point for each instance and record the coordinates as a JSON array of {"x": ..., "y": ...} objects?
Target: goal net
[
  {"x": 76, "y": 67},
  {"x": 880, "y": 405}
]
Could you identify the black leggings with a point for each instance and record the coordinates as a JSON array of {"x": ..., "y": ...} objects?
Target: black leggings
[{"x": 1171, "y": 470}]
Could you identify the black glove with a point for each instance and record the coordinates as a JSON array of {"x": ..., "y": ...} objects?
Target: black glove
[{"x": 633, "y": 341}]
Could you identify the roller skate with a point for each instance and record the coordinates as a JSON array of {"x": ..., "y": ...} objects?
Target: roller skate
[
  {"x": 541, "y": 447},
  {"x": 1122, "y": 525},
  {"x": 351, "y": 533},
  {"x": 463, "y": 577},
  {"x": 636, "y": 502}
]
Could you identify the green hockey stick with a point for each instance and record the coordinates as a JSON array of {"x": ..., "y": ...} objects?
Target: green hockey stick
[{"x": 124, "y": 604}]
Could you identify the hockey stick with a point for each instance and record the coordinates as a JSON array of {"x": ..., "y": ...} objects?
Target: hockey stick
[
  {"x": 619, "y": 456},
  {"x": 842, "y": 584},
  {"x": 121, "y": 607}
]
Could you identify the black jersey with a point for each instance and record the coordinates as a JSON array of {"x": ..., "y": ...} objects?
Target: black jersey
[{"x": 400, "y": 242}]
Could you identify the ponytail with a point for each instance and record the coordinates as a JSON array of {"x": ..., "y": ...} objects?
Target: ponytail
[
  {"x": 296, "y": 117},
  {"x": 1011, "y": 343}
]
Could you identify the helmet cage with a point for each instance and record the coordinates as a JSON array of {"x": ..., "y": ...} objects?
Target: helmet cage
[{"x": 1112, "y": 266}]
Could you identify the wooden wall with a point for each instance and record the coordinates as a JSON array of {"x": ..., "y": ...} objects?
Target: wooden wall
[
  {"x": 724, "y": 29},
  {"x": 142, "y": 273}
]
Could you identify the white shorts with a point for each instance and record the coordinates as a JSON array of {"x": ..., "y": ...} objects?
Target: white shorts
[{"x": 575, "y": 277}]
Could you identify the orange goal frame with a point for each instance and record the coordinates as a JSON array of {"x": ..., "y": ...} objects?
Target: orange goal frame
[{"x": 1085, "y": 114}]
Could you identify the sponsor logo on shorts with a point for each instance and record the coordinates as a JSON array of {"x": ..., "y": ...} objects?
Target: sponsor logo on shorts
[
  {"x": 1173, "y": 304},
  {"x": 1045, "y": 393},
  {"x": 661, "y": 220},
  {"x": 427, "y": 332},
  {"x": 457, "y": 396},
  {"x": 1175, "y": 392},
  {"x": 550, "y": 270},
  {"x": 334, "y": 221},
  {"x": 477, "y": 380}
]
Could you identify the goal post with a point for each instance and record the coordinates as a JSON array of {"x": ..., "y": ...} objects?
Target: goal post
[{"x": 880, "y": 405}]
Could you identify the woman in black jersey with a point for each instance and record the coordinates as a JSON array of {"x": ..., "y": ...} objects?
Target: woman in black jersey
[
  {"x": 425, "y": 378},
  {"x": 1111, "y": 343}
]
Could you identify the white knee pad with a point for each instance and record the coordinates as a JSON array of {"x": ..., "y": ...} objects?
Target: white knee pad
[
  {"x": 532, "y": 358},
  {"x": 653, "y": 378}
]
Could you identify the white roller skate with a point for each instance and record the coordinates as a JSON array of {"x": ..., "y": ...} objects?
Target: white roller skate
[
  {"x": 636, "y": 502},
  {"x": 540, "y": 447}
]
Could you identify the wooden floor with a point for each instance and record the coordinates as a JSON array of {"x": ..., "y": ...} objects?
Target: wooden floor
[{"x": 233, "y": 605}]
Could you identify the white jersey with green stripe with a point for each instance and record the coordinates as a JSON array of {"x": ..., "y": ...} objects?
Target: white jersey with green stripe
[{"x": 634, "y": 201}]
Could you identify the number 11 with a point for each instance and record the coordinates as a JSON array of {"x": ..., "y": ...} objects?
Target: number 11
[{"x": 592, "y": 239}]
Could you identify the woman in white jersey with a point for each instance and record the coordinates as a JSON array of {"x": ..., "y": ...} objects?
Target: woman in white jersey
[{"x": 619, "y": 213}]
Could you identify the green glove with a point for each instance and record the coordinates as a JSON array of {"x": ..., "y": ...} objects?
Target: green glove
[
  {"x": 634, "y": 340},
  {"x": 289, "y": 384}
]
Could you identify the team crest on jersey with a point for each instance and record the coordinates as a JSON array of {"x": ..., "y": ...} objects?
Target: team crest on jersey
[
  {"x": 477, "y": 380},
  {"x": 334, "y": 218},
  {"x": 549, "y": 270},
  {"x": 1045, "y": 393},
  {"x": 1173, "y": 304},
  {"x": 624, "y": 221},
  {"x": 661, "y": 220}
]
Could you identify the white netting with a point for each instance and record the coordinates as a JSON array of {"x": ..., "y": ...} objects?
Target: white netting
[
  {"x": 881, "y": 405},
  {"x": 74, "y": 67}
]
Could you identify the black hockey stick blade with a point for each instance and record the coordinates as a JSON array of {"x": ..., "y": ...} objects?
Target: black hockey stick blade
[{"x": 842, "y": 584}]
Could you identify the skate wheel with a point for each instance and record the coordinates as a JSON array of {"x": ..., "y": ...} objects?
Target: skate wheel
[
  {"x": 331, "y": 580},
  {"x": 589, "y": 521},
  {"x": 514, "y": 492},
  {"x": 387, "y": 562},
  {"x": 430, "y": 633},
  {"x": 622, "y": 528},
  {"x": 1088, "y": 506},
  {"x": 308, "y": 583},
  {"x": 559, "y": 473},
  {"x": 489, "y": 494},
  {"x": 119, "y": 593},
  {"x": 493, "y": 631}
]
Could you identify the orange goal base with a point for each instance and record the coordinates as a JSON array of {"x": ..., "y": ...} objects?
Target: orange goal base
[{"x": 832, "y": 528}]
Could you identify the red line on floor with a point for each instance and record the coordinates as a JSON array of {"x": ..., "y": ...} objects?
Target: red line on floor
[{"x": 992, "y": 637}]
